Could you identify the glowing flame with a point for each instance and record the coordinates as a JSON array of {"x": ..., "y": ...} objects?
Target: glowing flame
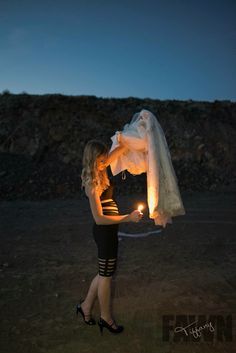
[{"x": 140, "y": 208}]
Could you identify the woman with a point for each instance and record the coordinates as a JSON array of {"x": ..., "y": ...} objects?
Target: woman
[{"x": 99, "y": 190}]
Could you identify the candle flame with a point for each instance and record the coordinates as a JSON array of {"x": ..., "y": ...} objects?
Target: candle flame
[{"x": 140, "y": 208}]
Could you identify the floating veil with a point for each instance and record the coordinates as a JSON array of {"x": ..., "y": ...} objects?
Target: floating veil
[{"x": 148, "y": 152}]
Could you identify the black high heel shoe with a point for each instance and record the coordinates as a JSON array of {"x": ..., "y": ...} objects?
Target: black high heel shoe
[
  {"x": 102, "y": 323},
  {"x": 91, "y": 321}
]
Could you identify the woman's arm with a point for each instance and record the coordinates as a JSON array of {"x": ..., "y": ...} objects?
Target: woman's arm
[
  {"x": 117, "y": 151},
  {"x": 115, "y": 154},
  {"x": 96, "y": 208}
]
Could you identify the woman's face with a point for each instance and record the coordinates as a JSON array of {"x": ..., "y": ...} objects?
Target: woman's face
[{"x": 101, "y": 162}]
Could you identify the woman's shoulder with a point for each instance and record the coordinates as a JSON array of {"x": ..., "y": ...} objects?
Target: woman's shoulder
[{"x": 90, "y": 189}]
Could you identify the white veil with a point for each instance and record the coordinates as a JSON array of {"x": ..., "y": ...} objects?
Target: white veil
[
  {"x": 164, "y": 183},
  {"x": 163, "y": 196}
]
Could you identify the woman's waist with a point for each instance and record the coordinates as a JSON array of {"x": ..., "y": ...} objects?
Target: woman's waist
[
  {"x": 109, "y": 206},
  {"x": 108, "y": 200},
  {"x": 112, "y": 226}
]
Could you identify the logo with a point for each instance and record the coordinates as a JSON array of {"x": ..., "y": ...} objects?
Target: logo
[{"x": 192, "y": 328}]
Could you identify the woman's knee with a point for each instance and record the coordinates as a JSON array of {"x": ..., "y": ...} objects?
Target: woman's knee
[
  {"x": 105, "y": 278},
  {"x": 107, "y": 267}
]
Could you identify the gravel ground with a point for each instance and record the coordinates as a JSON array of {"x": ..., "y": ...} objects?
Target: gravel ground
[{"x": 48, "y": 258}]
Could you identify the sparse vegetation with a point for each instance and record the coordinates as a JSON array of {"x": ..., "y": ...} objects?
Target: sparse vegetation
[{"x": 42, "y": 138}]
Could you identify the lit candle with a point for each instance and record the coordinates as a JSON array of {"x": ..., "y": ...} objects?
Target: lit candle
[{"x": 140, "y": 208}]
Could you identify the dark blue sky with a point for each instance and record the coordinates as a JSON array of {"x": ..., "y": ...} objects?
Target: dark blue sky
[{"x": 158, "y": 49}]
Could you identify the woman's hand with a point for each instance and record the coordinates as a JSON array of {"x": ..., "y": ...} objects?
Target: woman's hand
[
  {"x": 120, "y": 138},
  {"x": 135, "y": 216}
]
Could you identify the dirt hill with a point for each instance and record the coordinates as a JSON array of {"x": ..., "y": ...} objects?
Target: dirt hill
[{"x": 42, "y": 138}]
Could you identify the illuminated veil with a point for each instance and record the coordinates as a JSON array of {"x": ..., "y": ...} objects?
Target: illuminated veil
[{"x": 149, "y": 152}]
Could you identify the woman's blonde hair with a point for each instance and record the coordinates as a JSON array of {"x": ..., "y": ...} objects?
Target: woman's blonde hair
[{"x": 90, "y": 175}]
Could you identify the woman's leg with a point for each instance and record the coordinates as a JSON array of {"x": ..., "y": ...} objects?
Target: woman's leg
[
  {"x": 106, "y": 270},
  {"x": 104, "y": 297},
  {"x": 100, "y": 286},
  {"x": 106, "y": 238},
  {"x": 87, "y": 304}
]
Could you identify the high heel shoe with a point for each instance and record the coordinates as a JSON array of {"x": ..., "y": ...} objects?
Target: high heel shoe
[
  {"x": 91, "y": 321},
  {"x": 102, "y": 323}
]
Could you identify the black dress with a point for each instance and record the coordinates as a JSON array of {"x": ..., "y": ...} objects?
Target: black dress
[{"x": 106, "y": 235}]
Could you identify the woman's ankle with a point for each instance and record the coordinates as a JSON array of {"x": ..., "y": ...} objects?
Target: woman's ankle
[
  {"x": 85, "y": 306},
  {"x": 108, "y": 319}
]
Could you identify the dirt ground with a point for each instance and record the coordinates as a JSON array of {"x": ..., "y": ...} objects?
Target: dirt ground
[{"x": 48, "y": 258}]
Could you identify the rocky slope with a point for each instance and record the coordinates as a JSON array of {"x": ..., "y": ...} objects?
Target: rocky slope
[{"x": 42, "y": 138}]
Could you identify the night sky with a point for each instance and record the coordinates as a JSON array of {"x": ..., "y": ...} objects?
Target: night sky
[{"x": 147, "y": 49}]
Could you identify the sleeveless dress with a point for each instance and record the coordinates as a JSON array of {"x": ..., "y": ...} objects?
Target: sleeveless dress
[{"x": 106, "y": 235}]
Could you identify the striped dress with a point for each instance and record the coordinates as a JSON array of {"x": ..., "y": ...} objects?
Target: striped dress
[
  {"x": 109, "y": 207},
  {"x": 106, "y": 236}
]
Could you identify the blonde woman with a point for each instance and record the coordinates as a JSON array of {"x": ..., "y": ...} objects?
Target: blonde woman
[{"x": 99, "y": 190}]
